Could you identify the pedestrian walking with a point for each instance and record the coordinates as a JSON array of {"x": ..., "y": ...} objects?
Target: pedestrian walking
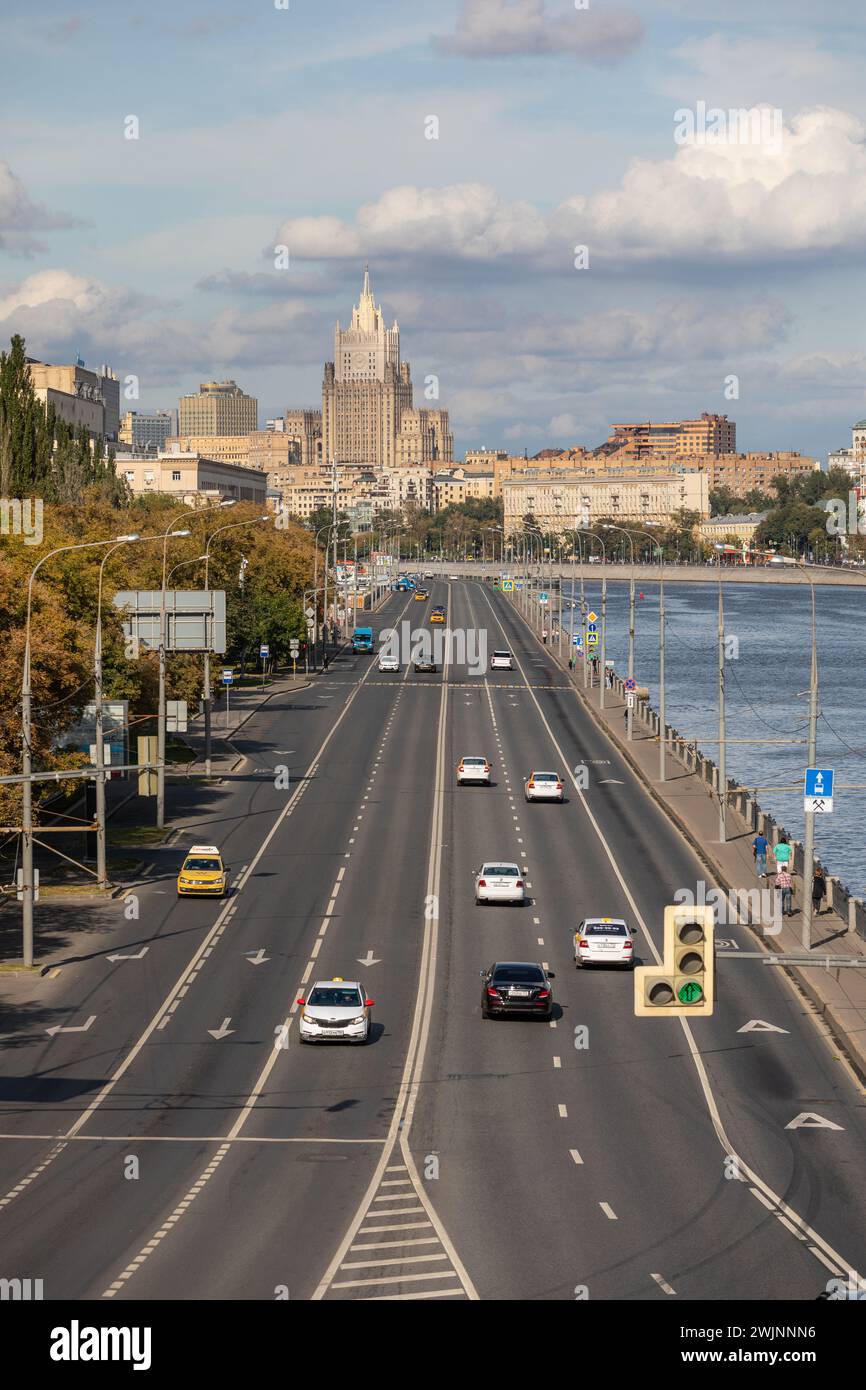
[
  {"x": 785, "y": 885},
  {"x": 819, "y": 889},
  {"x": 760, "y": 845},
  {"x": 782, "y": 852},
  {"x": 325, "y": 660},
  {"x": 544, "y": 635}
]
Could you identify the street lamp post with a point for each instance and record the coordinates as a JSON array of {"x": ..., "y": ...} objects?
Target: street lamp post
[
  {"x": 232, "y": 526},
  {"x": 809, "y": 839},
  {"x": 99, "y": 759},
  {"x": 27, "y": 887},
  {"x": 610, "y": 527}
]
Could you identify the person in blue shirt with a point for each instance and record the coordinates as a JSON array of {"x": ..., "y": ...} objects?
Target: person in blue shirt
[{"x": 760, "y": 845}]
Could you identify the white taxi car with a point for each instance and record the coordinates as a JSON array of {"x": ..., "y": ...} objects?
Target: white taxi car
[
  {"x": 336, "y": 1010},
  {"x": 499, "y": 882},
  {"x": 388, "y": 662},
  {"x": 473, "y": 768},
  {"x": 501, "y": 661},
  {"x": 203, "y": 873},
  {"x": 543, "y": 786},
  {"x": 604, "y": 941}
]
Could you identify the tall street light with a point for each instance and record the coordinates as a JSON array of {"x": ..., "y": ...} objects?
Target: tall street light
[
  {"x": 232, "y": 526},
  {"x": 608, "y": 526},
  {"x": 592, "y": 536},
  {"x": 27, "y": 754},
  {"x": 809, "y": 840},
  {"x": 99, "y": 759}
]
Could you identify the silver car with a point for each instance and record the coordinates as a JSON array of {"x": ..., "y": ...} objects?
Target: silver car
[
  {"x": 388, "y": 663},
  {"x": 499, "y": 882}
]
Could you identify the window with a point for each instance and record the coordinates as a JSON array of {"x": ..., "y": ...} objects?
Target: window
[{"x": 175, "y": 475}]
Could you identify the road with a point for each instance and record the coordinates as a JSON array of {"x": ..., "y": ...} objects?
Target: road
[{"x": 184, "y": 1145}]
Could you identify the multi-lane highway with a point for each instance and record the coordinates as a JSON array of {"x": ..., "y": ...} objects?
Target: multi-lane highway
[{"x": 185, "y": 1145}]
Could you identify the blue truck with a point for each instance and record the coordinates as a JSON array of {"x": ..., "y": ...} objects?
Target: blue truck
[{"x": 362, "y": 639}]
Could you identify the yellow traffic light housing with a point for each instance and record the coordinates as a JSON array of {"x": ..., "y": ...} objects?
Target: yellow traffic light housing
[{"x": 684, "y": 984}]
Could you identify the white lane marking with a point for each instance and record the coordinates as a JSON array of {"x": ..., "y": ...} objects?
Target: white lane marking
[
  {"x": 576, "y": 1156},
  {"x": 661, "y": 1283},
  {"x": 608, "y": 1211},
  {"x": 709, "y": 1099},
  {"x": 557, "y": 1062},
  {"x": 401, "y": 1121},
  {"x": 563, "y": 1112}
]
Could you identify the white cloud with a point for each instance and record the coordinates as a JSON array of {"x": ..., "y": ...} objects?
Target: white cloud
[
  {"x": 19, "y": 217},
  {"x": 497, "y": 29},
  {"x": 59, "y": 313},
  {"x": 802, "y": 195}
]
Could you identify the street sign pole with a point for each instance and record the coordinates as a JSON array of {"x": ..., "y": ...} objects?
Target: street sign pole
[{"x": 809, "y": 842}]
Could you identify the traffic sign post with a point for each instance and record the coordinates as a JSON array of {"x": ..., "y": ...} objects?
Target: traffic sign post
[
  {"x": 228, "y": 680},
  {"x": 508, "y": 586},
  {"x": 264, "y": 653},
  {"x": 543, "y": 597},
  {"x": 293, "y": 653},
  {"x": 818, "y": 791}
]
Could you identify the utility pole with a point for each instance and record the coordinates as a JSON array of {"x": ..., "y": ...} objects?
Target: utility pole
[
  {"x": 809, "y": 841},
  {"x": 723, "y": 772},
  {"x": 662, "y": 725}
]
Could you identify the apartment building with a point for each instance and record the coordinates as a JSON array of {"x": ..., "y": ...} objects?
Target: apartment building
[
  {"x": 709, "y": 434},
  {"x": 143, "y": 431},
  {"x": 190, "y": 478},
  {"x": 559, "y": 501},
  {"x": 223, "y": 448},
  {"x": 220, "y": 408},
  {"x": 79, "y": 396},
  {"x": 460, "y": 485}
]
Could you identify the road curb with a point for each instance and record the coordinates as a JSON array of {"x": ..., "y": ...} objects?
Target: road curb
[{"x": 853, "y": 1052}]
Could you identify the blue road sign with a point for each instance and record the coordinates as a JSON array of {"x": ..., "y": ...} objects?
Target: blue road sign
[
  {"x": 264, "y": 650},
  {"x": 592, "y": 627},
  {"x": 228, "y": 677},
  {"x": 543, "y": 597},
  {"x": 631, "y": 683},
  {"x": 819, "y": 781},
  {"x": 578, "y": 640}
]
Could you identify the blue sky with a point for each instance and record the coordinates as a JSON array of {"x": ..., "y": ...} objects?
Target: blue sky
[{"x": 305, "y": 126}]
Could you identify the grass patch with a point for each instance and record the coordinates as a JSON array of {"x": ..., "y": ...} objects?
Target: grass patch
[{"x": 128, "y": 835}]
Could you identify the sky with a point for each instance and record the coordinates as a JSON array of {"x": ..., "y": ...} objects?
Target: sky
[{"x": 553, "y": 196}]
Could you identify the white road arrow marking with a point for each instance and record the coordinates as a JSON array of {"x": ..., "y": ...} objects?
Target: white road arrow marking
[
  {"x": 610, "y": 781},
  {"x": 80, "y": 1028},
  {"x": 757, "y": 1025},
  {"x": 368, "y": 960},
  {"x": 257, "y": 957},
  {"x": 143, "y": 952},
  {"x": 223, "y": 1030},
  {"x": 809, "y": 1120}
]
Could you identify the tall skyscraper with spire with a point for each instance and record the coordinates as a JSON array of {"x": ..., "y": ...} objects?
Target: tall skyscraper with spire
[{"x": 367, "y": 413}]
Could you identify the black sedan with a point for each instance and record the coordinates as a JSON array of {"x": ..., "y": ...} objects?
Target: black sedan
[
  {"x": 425, "y": 665},
  {"x": 516, "y": 987}
]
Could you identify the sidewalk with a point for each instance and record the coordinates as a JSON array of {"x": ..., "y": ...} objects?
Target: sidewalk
[{"x": 839, "y": 995}]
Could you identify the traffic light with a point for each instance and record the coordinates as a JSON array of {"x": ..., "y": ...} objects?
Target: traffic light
[{"x": 684, "y": 984}]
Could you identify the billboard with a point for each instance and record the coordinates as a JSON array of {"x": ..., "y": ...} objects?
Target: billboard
[
  {"x": 195, "y": 619},
  {"x": 82, "y": 736}
]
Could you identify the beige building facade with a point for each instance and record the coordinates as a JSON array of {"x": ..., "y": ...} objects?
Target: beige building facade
[
  {"x": 741, "y": 528},
  {"x": 220, "y": 408},
  {"x": 561, "y": 501},
  {"x": 709, "y": 434},
  {"x": 367, "y": 391},
  {"x": 189, "y": 477}
]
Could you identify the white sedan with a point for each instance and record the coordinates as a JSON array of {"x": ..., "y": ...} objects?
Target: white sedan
[
  {"x": 499, "y": 882},
  {"x": 336, "y": 1011},
  {"x": 501, "y": 661},
  {"x": 388, "y": 663},
  {"x": 543, "y": 786},
  {"x": 604, "y": 941},
  {"x": 473, "y": 769}
]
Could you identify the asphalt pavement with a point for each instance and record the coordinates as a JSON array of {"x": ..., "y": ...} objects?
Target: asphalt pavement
[{"x": 182, "y": 1143}]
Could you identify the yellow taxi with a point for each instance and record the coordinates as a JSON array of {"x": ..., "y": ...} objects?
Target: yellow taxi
[
  {"x": 421, "y": 595},
  {"x": 438, "y": 615},
  {"x": 203, "y": 873}
]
